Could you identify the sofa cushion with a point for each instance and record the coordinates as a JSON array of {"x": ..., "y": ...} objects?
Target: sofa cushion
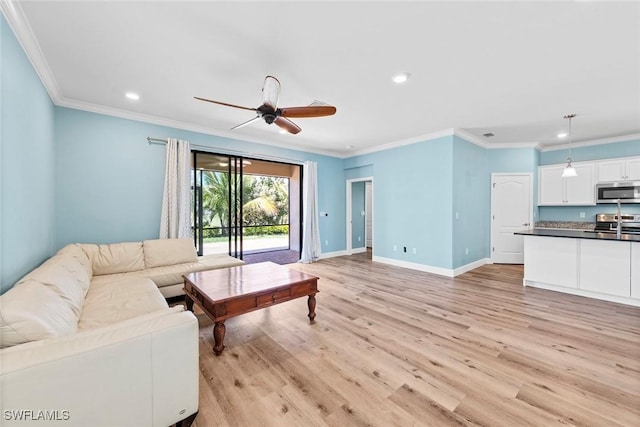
[
  {"x": 117, "y": 300},
  {"x": 161, "y": 252},
  {"x": 65, "y": 275},
  {"x": 172, "y": 274},
  {"x": 115, "y": 258},
  {"x": 32, "y": 311},
  {"x": 75, "y": 251}
]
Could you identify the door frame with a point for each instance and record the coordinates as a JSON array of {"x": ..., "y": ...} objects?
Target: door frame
[
  {"x": 349, "y": 245},
  {"x": 493, "y": 208},
  {"x": 235, "y": 206}
]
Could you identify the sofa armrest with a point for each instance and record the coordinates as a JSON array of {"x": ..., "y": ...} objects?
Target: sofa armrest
[{"x": 140, "y": 372}]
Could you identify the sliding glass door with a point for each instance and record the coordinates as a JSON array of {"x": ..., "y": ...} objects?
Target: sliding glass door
[{"x": 245, "y": 205}]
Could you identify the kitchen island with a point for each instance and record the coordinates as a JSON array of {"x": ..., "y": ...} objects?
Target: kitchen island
[{"x": 586, "y": 263}]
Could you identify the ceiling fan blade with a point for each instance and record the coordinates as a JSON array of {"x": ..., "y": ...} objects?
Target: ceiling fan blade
[
  {"x": 246, "y": 123},
  {"x": 225, "y": 104},
  {"x": 309, "y": 111},
  {"x": 287, "y": 125},
  {"x": 271, "y": 91}
]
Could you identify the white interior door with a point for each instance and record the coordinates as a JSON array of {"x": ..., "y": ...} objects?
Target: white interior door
[{"x": 511, "y": 211}]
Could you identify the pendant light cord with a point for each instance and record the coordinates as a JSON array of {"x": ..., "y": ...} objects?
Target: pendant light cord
[{"x": 570, "y": 116}]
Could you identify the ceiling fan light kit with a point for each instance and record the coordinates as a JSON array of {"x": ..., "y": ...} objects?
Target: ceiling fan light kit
[
  {"x": 270, "y": 113},
  {"x": 569, "y": 170}
]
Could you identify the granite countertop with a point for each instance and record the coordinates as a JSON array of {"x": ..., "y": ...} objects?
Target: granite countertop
[
  {"x": 567, "y": 225},
  {"x": 579, "y": 234}
]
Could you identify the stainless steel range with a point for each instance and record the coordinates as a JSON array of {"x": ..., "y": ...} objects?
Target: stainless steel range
[{"x": 608, "y": 223}]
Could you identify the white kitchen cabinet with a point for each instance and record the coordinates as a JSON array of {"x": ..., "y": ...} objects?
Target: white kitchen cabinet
[
  {"x": 605, "y": 267},
  {"x": 635, "y": 270},
  {"x": 633, "y": 169},
  {"x": 554, "y": 190},
  {"x": 551, "y": 260},
  {"x": 618, "y": 169}
]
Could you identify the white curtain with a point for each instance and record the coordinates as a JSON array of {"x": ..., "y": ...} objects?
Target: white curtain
[
  {"x": 310, "y": 230},
  {"x": 175, "y": 220}
]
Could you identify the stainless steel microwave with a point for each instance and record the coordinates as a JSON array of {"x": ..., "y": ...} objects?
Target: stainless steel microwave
[{"x": 625, "y": 191}]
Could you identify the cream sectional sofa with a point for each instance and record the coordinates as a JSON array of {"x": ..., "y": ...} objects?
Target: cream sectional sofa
[{"x": 88, "y": 339}]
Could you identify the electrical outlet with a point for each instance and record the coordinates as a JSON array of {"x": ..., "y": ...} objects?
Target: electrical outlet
[
  {"x": 326, "y": 243},
  {"x": 582, "y": 214},
  {"x": 359, "y": 238},
  {"x": 466, "y": 251},
  {"x": 457, "y": 215},
  {"x": 395, "y": 248},
  {"x": 404, "y": 248},
  {"x": 414, "y": 251}
]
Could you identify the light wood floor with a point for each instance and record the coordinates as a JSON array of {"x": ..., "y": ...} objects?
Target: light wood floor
[{"x": 392, "y": 346}]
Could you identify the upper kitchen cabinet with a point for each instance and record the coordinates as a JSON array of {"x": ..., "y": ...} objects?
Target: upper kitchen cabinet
[
  {"x": 554, "y": 190},
  {"x": 619, "y": 169}
]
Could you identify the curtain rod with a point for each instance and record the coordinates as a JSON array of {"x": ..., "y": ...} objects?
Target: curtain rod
[
  {"x": 156, "y": 140},
  {"x": 151, "y": 140}
]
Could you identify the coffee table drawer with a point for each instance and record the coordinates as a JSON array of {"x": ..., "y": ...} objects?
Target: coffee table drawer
[
  {"x": 273, "y": 297},
  {"x": 303, "y": 289}
]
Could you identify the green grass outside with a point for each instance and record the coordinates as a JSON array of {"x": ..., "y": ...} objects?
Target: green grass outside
[{"x": 226, "y": 238}]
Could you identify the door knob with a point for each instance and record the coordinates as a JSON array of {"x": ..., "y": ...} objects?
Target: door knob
[{"x": 526, "y": 224}]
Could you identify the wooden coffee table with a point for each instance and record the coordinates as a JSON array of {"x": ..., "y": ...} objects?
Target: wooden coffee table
[{"x": 229, "y": 292}]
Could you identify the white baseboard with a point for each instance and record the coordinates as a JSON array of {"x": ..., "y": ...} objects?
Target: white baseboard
[
  {"x": 358, "y": 250},
  {"x": 471, "y": 266},
  {"x": 431, "y": 269},
  {"x": 333, "y": 254},
  {"x": 414, "y": 266}
]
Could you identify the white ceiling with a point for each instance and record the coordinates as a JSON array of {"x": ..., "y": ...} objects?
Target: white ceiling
[{"x": 514, "y": 69}]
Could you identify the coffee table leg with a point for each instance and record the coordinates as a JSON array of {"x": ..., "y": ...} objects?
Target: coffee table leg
[
  {"x": 189, "y": 303},
  {"x": 218, "y": 336},
  {"x": 311, "y": 302}
]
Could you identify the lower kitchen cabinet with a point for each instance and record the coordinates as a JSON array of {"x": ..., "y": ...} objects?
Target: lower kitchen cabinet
[
  {"x": 635, "y": 270},
  {"x": 604, "y": 267},
  {"x": 551, "y": 260}
]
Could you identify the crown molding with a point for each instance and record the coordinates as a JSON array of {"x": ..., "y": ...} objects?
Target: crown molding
[
  {"x": 402, "y": 142},
  {"x": 14, "y": 15},
  {"x": 123, "y": 114},
  {"x": 471, "y": 138},
  {"x": 602, "y": 141},
  {"x": 497, "y": 145}
]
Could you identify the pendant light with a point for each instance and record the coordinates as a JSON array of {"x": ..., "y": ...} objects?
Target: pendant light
[{"x": 569, "y": 170}]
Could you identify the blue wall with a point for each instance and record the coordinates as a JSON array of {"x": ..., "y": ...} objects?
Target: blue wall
[
  {"x": 109, "y": 179},
  {"x": 357, "y": 219},
  {"x": 471, "y": 211},
  {"x": 594, "y": 152},
  {"x": 412, "y": 192},
  {"x": 27, "y": 164},
  {"x": 420, "y": 188}
]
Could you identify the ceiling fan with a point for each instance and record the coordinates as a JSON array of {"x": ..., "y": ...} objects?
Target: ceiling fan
[{"x": 270, "y": 112}]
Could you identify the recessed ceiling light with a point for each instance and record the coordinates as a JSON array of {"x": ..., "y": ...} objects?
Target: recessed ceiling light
[
  {"x": 133, "y": 96},
  {"x": 400, "y": 78},
  {"x": 563, "y": 135},
  {"x": 283, "y": 131}
]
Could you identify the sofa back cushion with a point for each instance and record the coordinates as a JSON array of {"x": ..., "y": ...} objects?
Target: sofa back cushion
[
  {"x": 67, "y": 276},
  {"x": 32, "y": 311},
  {"x": 115, "y": 258},
  {"x": 160, "y": 252}
]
